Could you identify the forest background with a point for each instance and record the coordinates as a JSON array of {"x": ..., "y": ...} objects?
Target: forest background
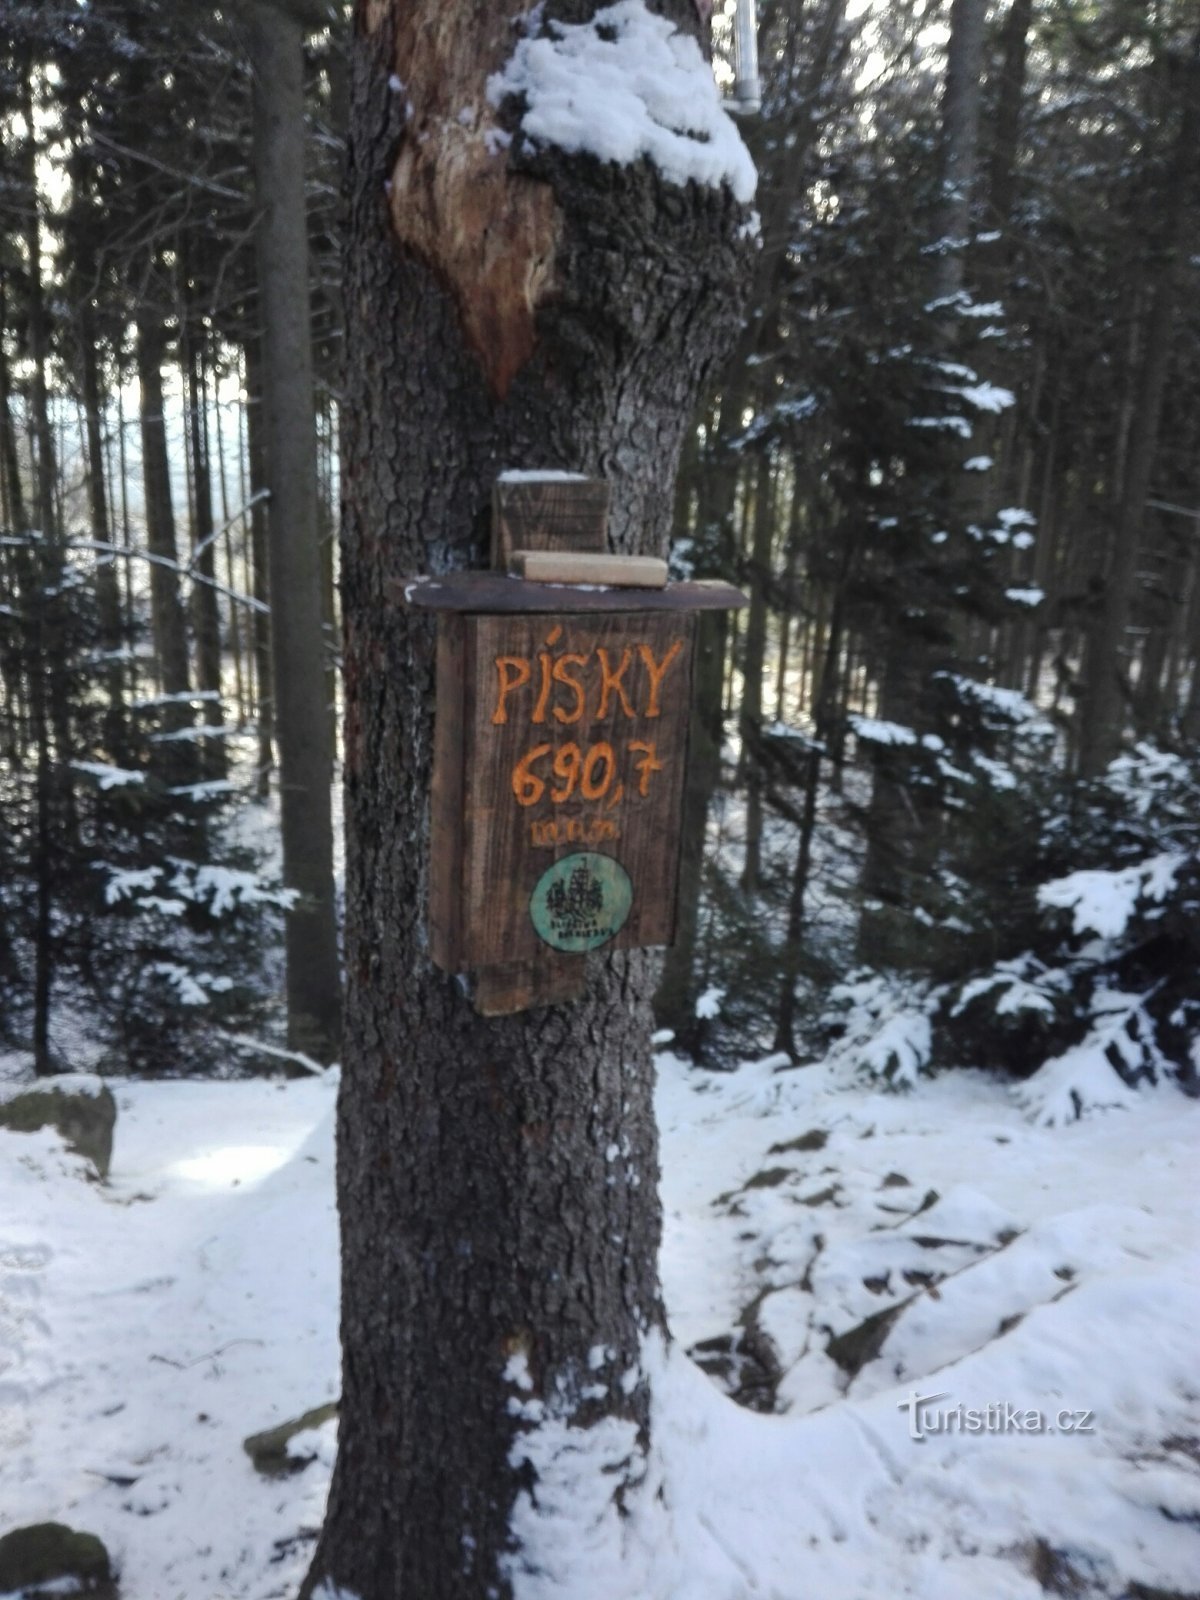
[{"x": 942, "y": 801}]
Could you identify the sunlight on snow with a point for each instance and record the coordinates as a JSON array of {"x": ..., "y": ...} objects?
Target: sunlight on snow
[{"x": 232, "y": 1163}]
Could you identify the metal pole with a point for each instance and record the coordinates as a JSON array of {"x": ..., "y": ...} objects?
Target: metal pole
[{"x": 747, "y": 90}]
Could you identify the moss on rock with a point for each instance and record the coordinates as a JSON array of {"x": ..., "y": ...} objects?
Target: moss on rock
[
  {"x": 50, "y": 1551},
  {"x": 269, "y": 1450},
  {"x": 81, "y": 1108}
]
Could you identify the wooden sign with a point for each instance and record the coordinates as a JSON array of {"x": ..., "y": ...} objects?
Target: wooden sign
[
  {"x": 559, "y": 763},
  {"x": 559, "y": 756}
]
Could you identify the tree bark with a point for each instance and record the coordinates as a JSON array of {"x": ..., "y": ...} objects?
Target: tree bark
[
  {"x": 256, "y": 453},
  {"x": 960, "y": 142},
  {"x": 301, "y": 718},
  {"x": 43, "y": 604},
  {"x": 167, "y": 617},
  {"x": 903, "y": 825},
  {"x": 753, "y": 666},
  {"x": 823, "y": 705},
  {"x": 206, "y": 616},
  {"x": 108, "y": 592},
  {"x": 1102, "y": 721},
  {"x": 497, "y": 1178}
]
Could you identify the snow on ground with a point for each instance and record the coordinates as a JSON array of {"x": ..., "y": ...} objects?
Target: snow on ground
[{"x": 148, "y": 1326}]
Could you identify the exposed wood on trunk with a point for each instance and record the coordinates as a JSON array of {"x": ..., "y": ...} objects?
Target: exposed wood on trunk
[{"x": 490, "y": 235}]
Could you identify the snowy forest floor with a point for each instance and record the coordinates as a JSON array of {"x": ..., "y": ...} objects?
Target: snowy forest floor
[{"x": 148, "y": 1326}]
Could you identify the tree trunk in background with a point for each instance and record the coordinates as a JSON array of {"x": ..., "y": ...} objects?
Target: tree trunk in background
[
  {"x": 960, "y": 142},
  {"x": 902, "y": 830},
  {"x": 715, "y": 556},
  {"x": 675, "y": 1002},
  {"x": 44, "y": 475},
  {"x": 484, "y": 1228},
  {"x": 17, "y": 736},
  {"x": 301, "y": 713},
  {"x": 263, "y": 673},
  {"x": 206, "y": 616},
  {"x": 326, "y": 540},
  {"x": 1189, "y": 725},
  {"x": 55, "y": 817},
  {"x": 108, "y": 592},
  {"x": 167, "y": 618},
  {"x": 1102, "y": 719},
  {"x": 823, "y": 713},
  {"x": 753, "y": 665},
  {"x": 1006, "y": 123},
  {"x": 1165, "y": 607},
  {"x": 28, "y": 570}
]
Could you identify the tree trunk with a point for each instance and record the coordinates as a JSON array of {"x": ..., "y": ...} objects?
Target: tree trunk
[
  {"x": 256, "y": 457},
  {"x": 715, "y": 556},
  {"x": 17, "y": 733},
  {"x": 108, "y": 592},
  {"x": 960, "y": 142},
  {"x": 1006, "y": 127},
  {"x": 497, "y": 1178},
  {"x": 43, "y": 605},
  {"x": 1102, "y": 722},
  {"x": 823, "y": 706},
  {"x": 301, "y": 713},
  {"x": 753, "y": 666},
  {"x": 206, "y": 616},
  {"x": 675, "y": 1001},
  {"x": 167, "y": 619},
  {"x": 903, "y": 823}
]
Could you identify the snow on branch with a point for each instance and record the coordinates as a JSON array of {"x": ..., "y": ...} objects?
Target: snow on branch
[
  {"x": 223, "y": 888},
  {"x": 1098, "y": 1074},
  {"x": 191, "y": 989},
  {"x": 986, "y": 396},
  {"x": 109, "y": 777},
  {"x": 624, "y": 86},
  {"x": 245, "y": 1041},
  {"x": 958, "y": 425},
  {"x": 124, "y": 883},
  {"x": 1103, "y": 902},
  {"x": 1008, "y": 704},
  {"x": 874, "y": 730},
  {"x": 1015, "y": 986}
]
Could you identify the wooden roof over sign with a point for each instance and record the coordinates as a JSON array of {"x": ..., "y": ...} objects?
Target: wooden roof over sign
[{"x": 498, "y": 593}]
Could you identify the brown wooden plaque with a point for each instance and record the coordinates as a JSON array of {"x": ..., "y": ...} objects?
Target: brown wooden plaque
[{"x": 558, "y": 780}]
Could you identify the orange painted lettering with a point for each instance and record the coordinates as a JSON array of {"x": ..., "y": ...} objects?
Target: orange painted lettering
[
  {"x": 539, "y": 714},
  {"x": 566, "y": 766},
  {"x": 649, "y": 764},
  {"x": 594, "y": 787},
  {"x": 526, "y": 784},
  {"x": 656, "y": 671},
  {"x": 610, "y": 681},
  {"x": 521, "y": 672},
  {"x": 561, "y": 675}
]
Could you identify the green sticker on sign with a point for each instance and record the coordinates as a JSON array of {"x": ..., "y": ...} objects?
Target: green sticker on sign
[{"x": 581, "y": 902}]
